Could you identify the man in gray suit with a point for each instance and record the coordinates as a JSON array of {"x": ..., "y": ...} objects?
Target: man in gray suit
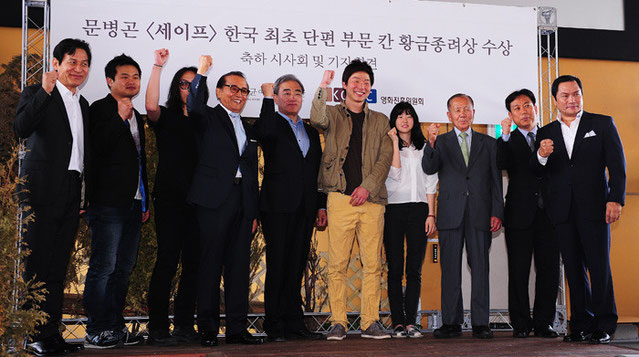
[{"x": 470, "y": 207}]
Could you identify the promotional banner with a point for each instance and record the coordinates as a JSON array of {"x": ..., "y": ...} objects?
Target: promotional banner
[{"x": 422, "y": 52}]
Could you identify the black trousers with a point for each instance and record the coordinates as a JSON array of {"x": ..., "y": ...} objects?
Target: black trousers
[
  {"x": 178, "y": 241},
  {"x": 405, "y": 220},
  {"x": 521, "y": 245},
  {"x": 585, "y": 250},
  {"x": 288, "y": 237},
  {"x": 50, "y": 237},
  {"x": 225, "y": 240}
]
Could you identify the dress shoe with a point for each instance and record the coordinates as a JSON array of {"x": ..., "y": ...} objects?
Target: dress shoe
[
  {"x": 448, "y": 331},
  {"x": 483, "y": 332},
  {"x": 520, "y": 333},
  {"x": 600, "y": 337},
  {"x": 275, "y": 338},
  {"x": 161, "y": 338},
  {"x": 546, "y": 332},
  {"x": 303, "y": 334},
  {"x": 244, "y": 338},
  {"x": 46, "y": 347},
  {"x": 576, "y": 336},
  {"x": 208, "y": 339},
  {"x": 185, "y": 334}
]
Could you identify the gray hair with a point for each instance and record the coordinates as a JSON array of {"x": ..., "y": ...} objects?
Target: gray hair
[{"x": 286, "y": 78}]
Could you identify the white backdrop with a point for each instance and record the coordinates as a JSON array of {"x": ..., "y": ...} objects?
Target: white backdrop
[{"x": 422, "y": 52}]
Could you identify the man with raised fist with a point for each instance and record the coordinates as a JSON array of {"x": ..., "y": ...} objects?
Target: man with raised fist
[
  {"x": 54, "y": 118},
  {"x": 353, "y": 171},
  {"x": 470, "y": 207},
  {"x": 225, "y": 194},
  {"x": 118, "y": 204}
]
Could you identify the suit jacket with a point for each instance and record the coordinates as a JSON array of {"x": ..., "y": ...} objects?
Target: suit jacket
[
  {"x": 479, "y": 184},
  {"x": 522, "y": 197},
  {"x": 115, "y": 174},
  {"x": 582, "y": 178},
  {"x": 289, "y": 177},
  {"x": 42, "y": 119},
  {"x": 219, "y": 156}
]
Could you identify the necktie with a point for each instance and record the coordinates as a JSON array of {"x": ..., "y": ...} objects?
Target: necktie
[
  {"x": 464, "y": 147},
  {"x": 142, "y": 191},
  {"x": 240, "y": 135},
  {"x": 531, "y": 143}
]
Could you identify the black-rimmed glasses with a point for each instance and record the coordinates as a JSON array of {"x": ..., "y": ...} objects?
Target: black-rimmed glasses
[
  {"x": 184, "y": 84},
  {"x": 234, "y": 89}
]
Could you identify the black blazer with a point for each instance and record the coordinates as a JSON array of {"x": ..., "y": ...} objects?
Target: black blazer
[
  {"x": 289, "y": 177},
  {"x": 582, "y": 177},
  {"x": 479, "y": 184},
  {"x": 522, "y": 197},
  {"x": 42, "y": 119},
  {"x": 116, "y": 167},
  {"x": 218, "y": 155}
]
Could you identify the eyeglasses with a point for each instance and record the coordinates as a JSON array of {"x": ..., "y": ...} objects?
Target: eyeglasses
[
  {"x": 184, "y": 84},
  {"x": 234, "y": 89}
]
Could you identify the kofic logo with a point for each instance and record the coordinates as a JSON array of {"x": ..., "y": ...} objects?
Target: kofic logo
[{"x": 339, "y": 94}]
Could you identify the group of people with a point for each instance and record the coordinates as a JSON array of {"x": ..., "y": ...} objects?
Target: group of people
[{"x": 375, "y": 181}]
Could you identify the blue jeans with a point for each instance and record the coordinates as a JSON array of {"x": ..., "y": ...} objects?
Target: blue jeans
[{"x": 115, "y": 234}]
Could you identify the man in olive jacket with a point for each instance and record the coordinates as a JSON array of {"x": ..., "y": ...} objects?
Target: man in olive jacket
[{"x": 353, "y": 171}]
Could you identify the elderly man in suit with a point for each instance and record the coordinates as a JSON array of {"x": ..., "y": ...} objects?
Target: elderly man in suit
[
  {"x": 470, "y": 207},
  {"x": 573, "y": 154},
  {"x": 225, "y": 194},
  {"x": 289, "y": 204},
  {"x": 527, "y": 226},
  {"x": 54, "y": 119}
]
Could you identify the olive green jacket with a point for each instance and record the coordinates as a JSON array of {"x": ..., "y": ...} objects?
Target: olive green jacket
[{"x": 377, "y": 149}]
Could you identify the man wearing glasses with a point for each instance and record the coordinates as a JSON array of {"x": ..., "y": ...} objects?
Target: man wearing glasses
[{"x": 225, "y": 193}]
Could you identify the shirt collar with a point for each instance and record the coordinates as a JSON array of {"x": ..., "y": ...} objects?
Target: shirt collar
[
  {"x": 525, "y": 132},
  {"x": 64, "y": 91},
  {"x": 457, "y": 131},
  {"x": 574, "y": 122},
  {"x": 290, "y": 121},
  {"x": 230, "y": 113}
]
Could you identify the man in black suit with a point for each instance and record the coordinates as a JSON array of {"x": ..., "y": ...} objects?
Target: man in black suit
[
  {"x": 289, "y": 204},
  {"x": 470, "y": 207},
  {"x": 53, "y": 117},
  {"x": 573, "y": 155},
  {"x": 118, "y": 204},
  {"x": 527, "y": 226},
  {"x": 225, "y": 194}
]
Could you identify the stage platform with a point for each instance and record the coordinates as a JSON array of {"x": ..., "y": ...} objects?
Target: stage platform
[{"x": 354, "y": 346}]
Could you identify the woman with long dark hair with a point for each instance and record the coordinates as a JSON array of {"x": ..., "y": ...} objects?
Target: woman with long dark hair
[
  {"x": 410, "y": 217},
  {"x": 175, "y": 226}
]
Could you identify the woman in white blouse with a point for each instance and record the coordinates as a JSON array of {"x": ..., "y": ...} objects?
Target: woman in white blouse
[{"x": 410, "y": 215}]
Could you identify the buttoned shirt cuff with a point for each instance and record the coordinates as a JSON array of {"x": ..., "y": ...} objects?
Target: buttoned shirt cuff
[
  {"x": 505, "y": 137},
  {"x": 542, "y": 160}
]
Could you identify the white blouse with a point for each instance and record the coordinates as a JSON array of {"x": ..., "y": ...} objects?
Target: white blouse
[{"x": 409, "y": 183}]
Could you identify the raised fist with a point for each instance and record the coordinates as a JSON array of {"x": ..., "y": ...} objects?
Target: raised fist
[
  {"x": 546, "y": 148},
  {"x": 506, "y": 125},
  {"x": 327, "y": 78},
  {"x": 267, "y": 89},
  {"x": 433, "y": 130},
  {"x": 393, "y": 135},
  {"x": 204, "y": 64},
  {"x": 161, "y": 56},
  {"x": 125, "y": 108},
  {"x": 48, "y": 80}
]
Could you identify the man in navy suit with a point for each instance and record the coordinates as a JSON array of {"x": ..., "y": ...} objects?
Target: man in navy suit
[
  {"x": 527, "y": 226},
  {"x": 225, "y": 194},
  {"x": 54, "y": 118},
  {"x": 470, "y": 206},
  {"x": 573, "y": 154}
]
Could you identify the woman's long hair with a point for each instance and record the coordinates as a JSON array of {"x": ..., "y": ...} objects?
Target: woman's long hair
[
  {"x": 174, "y": 101},
  {"x": 416, "y": 135}
]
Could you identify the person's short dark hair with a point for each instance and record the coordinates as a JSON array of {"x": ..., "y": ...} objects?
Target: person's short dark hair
[
  {"x": 222, "y": 81},
  {"x": 357, "y": 65},
  {"x": 459, "y": 95},
  {"x": 68, "y": 46},
  {"x": 416, "y": 134},
  {"x": 174, "y": 100},
  {"x": 286, "y": 78},
  {"x": 562, "y": 79},
  {"x": 512, "y": 96},
  {"x": 111, "y": 68}
]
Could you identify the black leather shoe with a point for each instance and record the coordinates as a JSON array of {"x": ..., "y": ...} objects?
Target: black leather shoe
[
  {"x": 520, "y": 333},
  {"x": 208, "y": 339},
  {"x": 483, "y": 332},
  {"x": 448, "y": 331},
  {"x": 600, "y": 337},
  {"x": 244, "y": 338},
  {"x": 303, "y": 334},
  {"x": 275, "y": 338},
  {"x": 161, "y": 338},
  {"x": 576, "y": 336},
  {"x": 46, "y": 347},
  {"x": 546, "y": 332}
]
